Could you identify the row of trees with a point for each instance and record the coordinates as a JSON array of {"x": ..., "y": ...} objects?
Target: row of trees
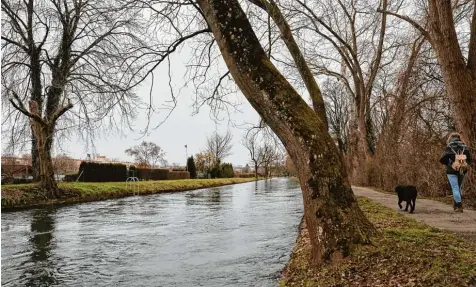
[{"x": 388, "y": 92}]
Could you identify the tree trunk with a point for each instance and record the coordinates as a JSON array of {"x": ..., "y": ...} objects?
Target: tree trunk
[
  {"x": 43, "y": 132},
  {"x": 460, "y": 79},
  {"x": 332, "y": 214},
  {"x": 35, "y": 164},
  {"x": 359, "y": 150}
]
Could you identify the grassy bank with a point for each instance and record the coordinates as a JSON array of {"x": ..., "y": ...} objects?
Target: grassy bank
[
  {"x": 29, "y": 195},
  {"x": 406, "y": 253}
]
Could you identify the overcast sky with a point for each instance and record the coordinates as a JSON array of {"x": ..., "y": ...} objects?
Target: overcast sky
[{"x": 180, "y": 129}]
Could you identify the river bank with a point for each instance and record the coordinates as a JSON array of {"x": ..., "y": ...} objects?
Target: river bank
[
  {"x": 23, "y": 196},
  {"x": 406, "y": 253}
]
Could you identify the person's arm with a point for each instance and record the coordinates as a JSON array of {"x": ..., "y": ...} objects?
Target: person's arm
[{"x": 444, "y": 158}]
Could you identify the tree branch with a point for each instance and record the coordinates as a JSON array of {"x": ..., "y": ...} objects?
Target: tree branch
[
  {"x": 54, "y": 117},
  {"x": 407, "y": 19},
  {"x": 21, "y": 108}
]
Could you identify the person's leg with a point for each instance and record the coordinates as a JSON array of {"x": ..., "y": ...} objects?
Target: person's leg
[{"x": 453, "y": 179}]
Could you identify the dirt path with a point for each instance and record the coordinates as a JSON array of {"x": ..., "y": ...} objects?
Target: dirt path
[{"x": 433, "y": 213}]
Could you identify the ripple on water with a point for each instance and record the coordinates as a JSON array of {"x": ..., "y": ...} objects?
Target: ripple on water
[{"x": 238, "y": 235}]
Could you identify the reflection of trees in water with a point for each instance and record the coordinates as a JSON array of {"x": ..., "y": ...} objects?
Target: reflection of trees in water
[
  {"x": 268, "y": 187},
  {"x": 292, "y": 183},
  {"x": 214, "y": 196},
  {"x": 39, "y": 273}
]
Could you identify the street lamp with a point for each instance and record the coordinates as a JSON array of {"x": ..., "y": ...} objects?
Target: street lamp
[{"x": 186, "y": 158}]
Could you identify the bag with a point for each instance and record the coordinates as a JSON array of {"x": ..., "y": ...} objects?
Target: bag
[{"x": 460, "y": 163}]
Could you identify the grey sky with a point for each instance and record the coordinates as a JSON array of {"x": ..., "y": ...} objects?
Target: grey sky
[{"x": 179, "y": 129}]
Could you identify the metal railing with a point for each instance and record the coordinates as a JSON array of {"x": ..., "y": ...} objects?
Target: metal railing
[{"x": 132, "y": 182}]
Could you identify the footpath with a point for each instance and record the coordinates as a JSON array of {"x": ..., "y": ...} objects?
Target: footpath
[{"x": 431, "y": 212}]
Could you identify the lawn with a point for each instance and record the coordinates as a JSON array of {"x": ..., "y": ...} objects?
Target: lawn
[{"x": 405, "y": 253}]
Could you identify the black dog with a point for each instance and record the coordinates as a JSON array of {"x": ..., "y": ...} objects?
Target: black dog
[{"x": 407, "y": 193}]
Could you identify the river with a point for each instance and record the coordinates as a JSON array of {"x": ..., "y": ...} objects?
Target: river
[{"x": 236, "y": 235}]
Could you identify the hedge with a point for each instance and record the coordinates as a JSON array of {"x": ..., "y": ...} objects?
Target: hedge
[
  {"x": 102, "y": 172},
  {"x": 178, "y": 175},
  {"x": 71, "y": 177},
  {"x": 152, "y": 173},
  {"x": 246, "y": 175}
]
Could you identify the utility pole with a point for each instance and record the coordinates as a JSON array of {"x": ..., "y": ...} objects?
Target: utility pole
[{"x": 186, "y": 158}]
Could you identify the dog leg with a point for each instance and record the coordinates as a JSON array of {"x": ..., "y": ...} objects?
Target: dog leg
[
  {"x": 413, "y": 205},
  {"x": 406, "y": 207},
  {"x": 400, "y": 203}
]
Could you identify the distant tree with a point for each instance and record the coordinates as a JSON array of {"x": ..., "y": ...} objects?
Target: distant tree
[
  {"x": 250, "y": 142},
  {"x": 204, "y": 162},
  {"x": 246, "y": 169},
  {"x": 71, "y": 63},
  {"x": 219, "y": 146},
  {"x": 63, "y": 164},
  {"x": 192, "y": 169},
  {"x": 268, "y": 154},
  {"x": 147, "y": 154}
]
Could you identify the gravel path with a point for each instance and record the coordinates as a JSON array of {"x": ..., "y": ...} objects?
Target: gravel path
[{"x": 431, "y": 212}]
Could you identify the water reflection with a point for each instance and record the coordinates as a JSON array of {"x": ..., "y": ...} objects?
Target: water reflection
[
  {"x": 217, "y": 237},
  {"x": 40, "y": 267},
  {"x": 214, "y": 196}
]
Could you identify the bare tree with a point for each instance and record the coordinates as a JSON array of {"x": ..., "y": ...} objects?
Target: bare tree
[
  {"x": 219, "y": 146},
  {"x": 63, "y": 164},
  {"x": 251, "y": 143},
  {"x": 459, "y": 73},
  {"x": 326, "y": 189},
  {"x": 73, "y": 63},
  {"x": 268, "y": 154},
  {"x": 147, "y": 154},
  {"x": 352, "y": 49}
]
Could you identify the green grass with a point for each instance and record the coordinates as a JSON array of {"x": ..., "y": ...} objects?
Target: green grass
[
  {"x": 30, "y": 195},
  {"x": 405, "y": 253}
]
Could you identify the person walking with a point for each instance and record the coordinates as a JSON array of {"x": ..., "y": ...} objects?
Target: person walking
[{"x": 457, "y": 159}]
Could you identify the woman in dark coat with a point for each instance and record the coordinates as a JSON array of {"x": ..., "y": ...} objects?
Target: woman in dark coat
[{"x": 455, "y": 176}]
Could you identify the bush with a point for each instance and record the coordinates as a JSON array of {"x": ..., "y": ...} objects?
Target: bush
[
  {"x": 71, "y": 177},
  {"x": 226, "y": 170},
  {"x": 246, "y": 175},
  {"x": 102, "y": 172},
  {"x": 152, "y": 173},
  {"x": 191, "y": 167},
  {"x": 172, "y": 175}
]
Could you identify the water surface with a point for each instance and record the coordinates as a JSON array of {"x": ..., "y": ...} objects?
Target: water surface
[{"x": 237, "y": 235}]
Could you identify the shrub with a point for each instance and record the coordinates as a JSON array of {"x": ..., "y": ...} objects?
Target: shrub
[
  {"x": 226, "y": 170},
  {"x": 71, "y": 177},
  {"x": 102, "y": 172},
  {"x": 152, "y": 173},
  {"x": 172, "y": 175},
  {"x": 192, "y": 169},
  {"x": 246, "y": 175}
]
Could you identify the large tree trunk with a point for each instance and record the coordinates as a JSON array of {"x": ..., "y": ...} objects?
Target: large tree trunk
[
  {"x": 332, "y": 214},
  {"x": 43, "y": 132},
  {"x": 359, "y": 150},
  {"x": 460, "y": 78},
  {"x": 35, "y": 163}
]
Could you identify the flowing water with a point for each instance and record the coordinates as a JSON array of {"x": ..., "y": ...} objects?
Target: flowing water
[{"x": 237, "y": 235}]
